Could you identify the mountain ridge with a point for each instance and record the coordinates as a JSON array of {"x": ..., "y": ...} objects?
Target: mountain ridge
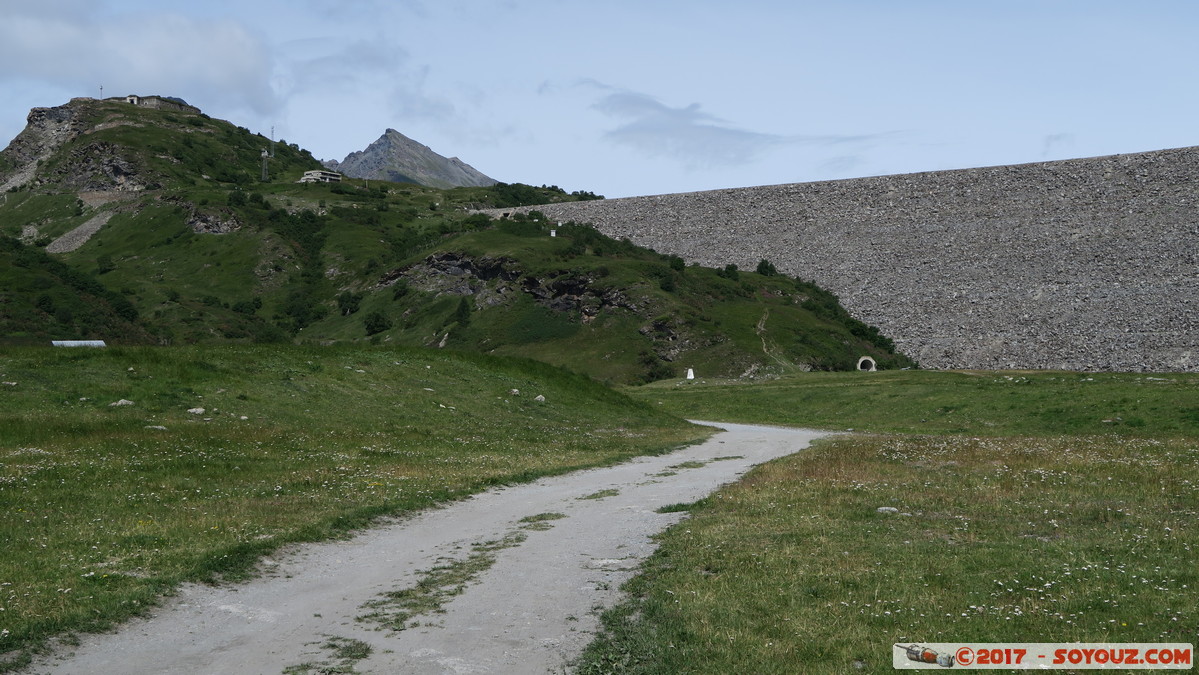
[{"x": 400, "y": 159}]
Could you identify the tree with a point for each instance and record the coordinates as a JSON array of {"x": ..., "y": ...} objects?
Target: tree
[{"x": 766, "y": 268}]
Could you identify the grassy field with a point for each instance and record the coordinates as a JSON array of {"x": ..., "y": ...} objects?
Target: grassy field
[
  {"x": 979, "y": 403},
  {"x": 1046, "y": 507},
  {"x": 223, "y": 454}
]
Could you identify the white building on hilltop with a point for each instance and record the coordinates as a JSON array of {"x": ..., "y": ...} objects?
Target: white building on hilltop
[{"x": 320, "y": 176}]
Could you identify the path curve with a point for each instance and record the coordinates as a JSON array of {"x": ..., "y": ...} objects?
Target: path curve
[{"x": 532, "y": 611}]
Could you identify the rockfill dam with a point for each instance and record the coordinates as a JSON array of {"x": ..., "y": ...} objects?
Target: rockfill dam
[{"x": 1087, "y": 264}]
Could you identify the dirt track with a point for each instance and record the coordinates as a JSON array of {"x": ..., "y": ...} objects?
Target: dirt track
[{"x": 531, "y": 610}]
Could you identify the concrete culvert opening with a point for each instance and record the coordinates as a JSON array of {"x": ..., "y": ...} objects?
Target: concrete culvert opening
[{"x": 867, "y": 364}]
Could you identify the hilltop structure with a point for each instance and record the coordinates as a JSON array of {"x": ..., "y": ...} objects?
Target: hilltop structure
[{"x": 160, "y": 103}]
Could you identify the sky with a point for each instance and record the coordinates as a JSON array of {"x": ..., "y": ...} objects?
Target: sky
[{"x": 640, "y": 97}]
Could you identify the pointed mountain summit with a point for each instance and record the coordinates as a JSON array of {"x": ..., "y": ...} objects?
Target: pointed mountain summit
[{"x": 399, "y": 159}]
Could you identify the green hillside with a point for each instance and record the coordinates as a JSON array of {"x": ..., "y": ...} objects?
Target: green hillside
[
  {"x": 42, "y": 299},
  {"x": 168, "y": 213}
]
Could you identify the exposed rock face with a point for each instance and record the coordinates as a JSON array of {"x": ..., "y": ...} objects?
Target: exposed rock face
[
  {"x": 99, "y": 166},
  {"x": 495, "y": 281},
  {"x": 96, "y": 166},
  {"x": 46, "y": 129},
  {"x": 397, "y": 158},
  {"x": 1089, "y": 264}
]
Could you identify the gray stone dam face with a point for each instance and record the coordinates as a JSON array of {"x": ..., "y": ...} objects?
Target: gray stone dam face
[{"x": 1088, "y": 264}]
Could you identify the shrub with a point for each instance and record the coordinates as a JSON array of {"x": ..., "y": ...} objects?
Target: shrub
[
  {"x": 462, "y": 313},
  {"x": 376, "y": 322},
  {"x": 348, "y": 303}
]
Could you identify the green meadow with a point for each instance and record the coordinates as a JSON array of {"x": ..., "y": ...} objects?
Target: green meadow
[
  {"x": 222, "y": 454},
  {"x": 964, "y": 507}
]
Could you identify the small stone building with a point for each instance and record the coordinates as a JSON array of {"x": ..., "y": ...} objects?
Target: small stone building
[{"x": 162, "y": 103}]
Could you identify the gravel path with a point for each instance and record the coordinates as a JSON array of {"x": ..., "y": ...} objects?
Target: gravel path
[
  {"x": 532, "y": 609},
  {"x": 79, "y": 236}
]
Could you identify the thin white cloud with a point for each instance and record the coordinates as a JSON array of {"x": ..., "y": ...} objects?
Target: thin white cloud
[
  {"x": 168, "y": 54},
  {"x": 1054, "y": 144},
  {"x": 360, "y": 63},
  {"x": 411, "y": 99},
  {"x": 700, "y": 140},
  {"x": 687, "y": 134}
]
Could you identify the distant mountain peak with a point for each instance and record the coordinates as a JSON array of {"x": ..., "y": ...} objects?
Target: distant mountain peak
[{"x": 398, "y": 158}]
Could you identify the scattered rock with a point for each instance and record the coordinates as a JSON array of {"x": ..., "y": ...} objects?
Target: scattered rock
[
  {"x": 514, "y": 392},
  {"x": 121, "y": 402},
  {"x": 213, "y": 223},
  {"x": 540, "y": 399},
  {"x": 887, "y": 509},
  {"x": 10, "y": 384},
  {"x": 158, "y": 427},
  {"x": 197, "y": 411}
]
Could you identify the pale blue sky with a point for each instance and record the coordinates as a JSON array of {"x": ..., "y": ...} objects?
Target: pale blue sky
[{"x": 640, "y": 97}]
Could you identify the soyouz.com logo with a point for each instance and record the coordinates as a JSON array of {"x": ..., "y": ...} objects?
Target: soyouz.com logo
[{"x": 1043, "y": 656}]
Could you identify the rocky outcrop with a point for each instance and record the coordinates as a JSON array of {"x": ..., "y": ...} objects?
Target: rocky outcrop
[
  {"x": 46, "y": 130},
  {"x": 212, "y": 223},
  {"x": 35, "y": 158},
  {"x": 496, "y": 281},
  {"x": 397, "y": 158},
  {"x": 98, "y": 166},
  {"x": 1089, "y": 264}
]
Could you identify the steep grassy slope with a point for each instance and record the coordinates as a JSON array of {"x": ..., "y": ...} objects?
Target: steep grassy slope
[{"x": 42, "y": 299}]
